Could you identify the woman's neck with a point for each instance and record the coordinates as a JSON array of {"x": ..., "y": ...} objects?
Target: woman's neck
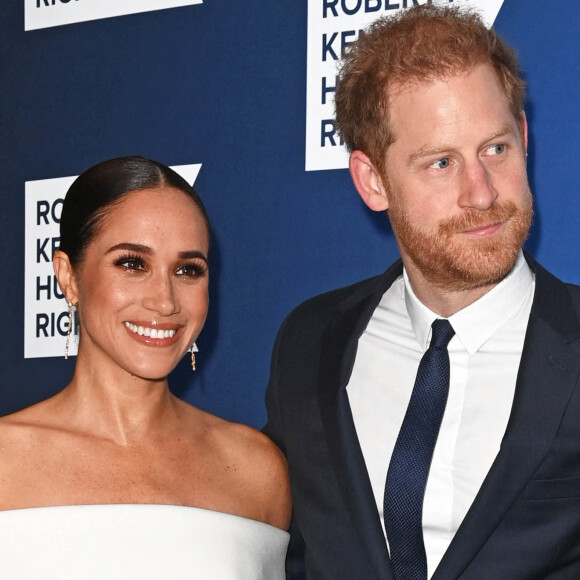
[{"x": 106, "y": 401}]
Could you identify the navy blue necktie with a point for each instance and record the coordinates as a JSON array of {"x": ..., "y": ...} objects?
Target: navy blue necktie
[{"x": 411, "y": 459}]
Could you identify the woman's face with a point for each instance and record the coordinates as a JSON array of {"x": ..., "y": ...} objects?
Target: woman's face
[{"x": 142, "y": 287}]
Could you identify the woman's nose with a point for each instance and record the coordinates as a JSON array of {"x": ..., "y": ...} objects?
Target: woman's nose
[{"x": 160, "y": 296}]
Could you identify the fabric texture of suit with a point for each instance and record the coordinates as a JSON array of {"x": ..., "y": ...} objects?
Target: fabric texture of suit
[{"x": 524, "y": 523}]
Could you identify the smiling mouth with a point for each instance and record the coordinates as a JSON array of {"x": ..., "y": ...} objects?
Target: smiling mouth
[{"x": 150, "y": 332}]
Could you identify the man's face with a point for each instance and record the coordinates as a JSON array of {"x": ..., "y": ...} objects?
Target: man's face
[{"x": 458, "y": 196}]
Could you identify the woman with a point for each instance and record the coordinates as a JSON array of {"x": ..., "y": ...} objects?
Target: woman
[{"x": 129, "y": 463}]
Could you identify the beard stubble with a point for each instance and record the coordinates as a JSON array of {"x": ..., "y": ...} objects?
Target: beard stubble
[{"x": 451, "y": 260}]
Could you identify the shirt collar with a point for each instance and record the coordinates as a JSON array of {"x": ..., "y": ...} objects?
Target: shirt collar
[{"x": 475, "y": 323}]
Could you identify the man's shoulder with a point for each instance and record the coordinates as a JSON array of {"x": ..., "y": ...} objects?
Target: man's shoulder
[
  {"x": 574, "y": 291},
  {"x": 548, "y": 283},
  {"x": 328, "y": 305},
  {"x": 556, "y": 302}
]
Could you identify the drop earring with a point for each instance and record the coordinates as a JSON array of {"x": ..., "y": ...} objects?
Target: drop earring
[
  {"x": 193, "y": 350},
  {"x": 70, "y": 325}
]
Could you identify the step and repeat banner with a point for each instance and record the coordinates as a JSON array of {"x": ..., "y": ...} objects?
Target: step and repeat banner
[
  {"x": 238, "y": 97},
  {"x": 333, "y": 25},
  {"x": 45, "y": 321},
  {"x": 45, "y": 13}
]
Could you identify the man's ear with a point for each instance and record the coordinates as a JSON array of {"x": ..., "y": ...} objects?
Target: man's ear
[
  {"x": 525, "y": 133},
  {"x": 65, "y": 276},
  {"x": 367, "y": 181}
]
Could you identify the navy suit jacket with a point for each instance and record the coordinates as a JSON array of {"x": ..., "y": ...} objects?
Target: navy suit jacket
[{"x": 525, "y": 521}]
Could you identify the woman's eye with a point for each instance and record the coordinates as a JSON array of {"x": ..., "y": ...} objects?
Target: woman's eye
[
  {"x": 192, "y": 270},
  {"x": 130, "y": 263},
  {"x": 442, "y": 163}
]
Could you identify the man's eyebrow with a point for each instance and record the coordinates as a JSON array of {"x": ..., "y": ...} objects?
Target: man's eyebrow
[
  {"x": 504, "y": 130},
  {"x": 428, "y": 150}
]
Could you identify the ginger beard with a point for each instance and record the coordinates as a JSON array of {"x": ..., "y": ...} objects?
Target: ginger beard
[{"x": 453, "y": 261}]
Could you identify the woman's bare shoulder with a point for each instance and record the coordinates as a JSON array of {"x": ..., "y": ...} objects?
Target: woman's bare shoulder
[
  {"x": 23, "y": 420},
  {"x": 256, "y": 464},
  {"x": 25, "y": 443},
  {"x": 264, "y": 471},
  {"x": 242, "y": 442},
  {"x": 25, "y": 433}
]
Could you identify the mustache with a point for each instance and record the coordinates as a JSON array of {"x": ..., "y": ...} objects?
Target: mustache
[{"x": 473, "y": 218}]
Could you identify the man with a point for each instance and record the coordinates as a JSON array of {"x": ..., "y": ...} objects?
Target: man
[{"x": 415, "y": 457}]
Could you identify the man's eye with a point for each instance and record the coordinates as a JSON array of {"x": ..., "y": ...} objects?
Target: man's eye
[
  {"x": 442, "y": 163},
  {"x": 496, "y": 149}
]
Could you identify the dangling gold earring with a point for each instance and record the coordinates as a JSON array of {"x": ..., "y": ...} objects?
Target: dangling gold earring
[
  {"x": 193, "y": 349},
  {"x": 70, "y": 325}
]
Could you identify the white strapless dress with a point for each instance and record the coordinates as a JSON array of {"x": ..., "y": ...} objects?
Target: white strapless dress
[{"x": 137, "y": 542}]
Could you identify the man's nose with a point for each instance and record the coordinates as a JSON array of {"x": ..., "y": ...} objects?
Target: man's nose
[{"x": 478, "y": 191}]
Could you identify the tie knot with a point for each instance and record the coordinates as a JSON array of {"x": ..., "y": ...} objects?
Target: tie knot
[{"x": 442, "y": 333}]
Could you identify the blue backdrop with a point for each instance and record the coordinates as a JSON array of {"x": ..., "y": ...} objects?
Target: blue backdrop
[{"x": 224, "y": 84}]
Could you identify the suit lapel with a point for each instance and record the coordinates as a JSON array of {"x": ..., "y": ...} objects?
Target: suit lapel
[
  {"x": 337, "y": 359},
  {"x": 548, "y": 373}
]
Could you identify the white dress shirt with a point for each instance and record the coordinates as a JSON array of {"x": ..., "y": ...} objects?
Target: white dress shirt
[{"x": 484, "y": 358}]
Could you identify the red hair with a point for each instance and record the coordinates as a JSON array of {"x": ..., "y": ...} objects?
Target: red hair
[{"x": 417, "y": 45}]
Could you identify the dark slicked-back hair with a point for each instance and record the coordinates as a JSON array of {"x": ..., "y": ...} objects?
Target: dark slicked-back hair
[
  {"x": 96, "y": 191},
  {"x": 421, "y": 44}
]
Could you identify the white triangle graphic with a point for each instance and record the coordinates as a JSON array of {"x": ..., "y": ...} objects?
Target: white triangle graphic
[
  {"x": 188, "y": 172},
  {"x": 489, "y": 9}
]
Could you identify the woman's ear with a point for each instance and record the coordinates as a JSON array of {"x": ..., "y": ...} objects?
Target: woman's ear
[
  {"x": 367, "y": 181},
  {"x": 66, "y": 276}
]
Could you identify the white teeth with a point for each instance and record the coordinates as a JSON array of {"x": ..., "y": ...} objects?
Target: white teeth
[{"x": 151, "y": 332}]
